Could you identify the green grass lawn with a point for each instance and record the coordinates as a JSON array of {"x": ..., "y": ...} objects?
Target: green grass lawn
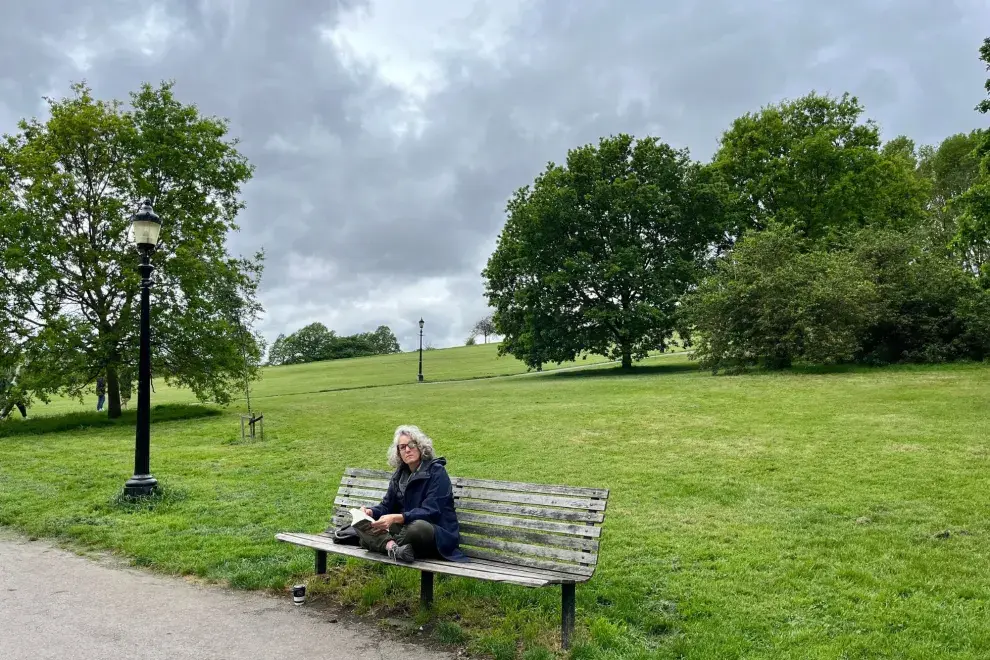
[
  {"x": 459, "y": 363},
  {"x": 802, "y": 515}
]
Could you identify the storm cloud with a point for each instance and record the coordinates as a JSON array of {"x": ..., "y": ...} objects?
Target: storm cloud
[{"x": 387, "y": 135}]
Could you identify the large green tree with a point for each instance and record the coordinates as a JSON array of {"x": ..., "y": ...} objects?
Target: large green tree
[
  {"x": 951, "y": 168},
  {"x": 308, "y": 344},
  {"x": 382, "y": 340},
  {"x": 814, "y": 165},
  {"x": 972, "y": 239},
  {"x": 984, "y": 105},
  {"x": 68, "y": 274},
  {"x": 595, "y": 253}
]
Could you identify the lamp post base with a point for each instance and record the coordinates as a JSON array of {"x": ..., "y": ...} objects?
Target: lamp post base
[
  {"x": 421, "y": 378},
  {"x": 140, "y": 485}
]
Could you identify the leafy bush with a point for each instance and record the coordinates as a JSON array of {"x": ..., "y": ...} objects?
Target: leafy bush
[
  {"x": 876, "y": 297},
  {"x": 932, "y": 310},
  {"x": 769, "y": 303}
]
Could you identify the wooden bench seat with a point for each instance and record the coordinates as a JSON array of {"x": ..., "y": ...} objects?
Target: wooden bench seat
[{"x": 531, "y": 535}]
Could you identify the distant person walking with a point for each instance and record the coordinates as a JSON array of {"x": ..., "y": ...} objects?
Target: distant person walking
[
  {"x": 10, "y": 394},
  {"x": 101, "y": 393}
]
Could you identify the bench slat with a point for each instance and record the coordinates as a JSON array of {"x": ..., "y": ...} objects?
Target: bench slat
[
  {"x": 549, "y": 489},
  {"x": 466, "y": 569},
  {"x": 484, "y": 565},
  {"x": 355, "y": 500},
  {"x": 353, "y": 503},
  {"x": 341, "y": 517},
  {"x": 537, "y": 512},
  {"x": 590, "y": 531},
  {"x": 555, "y": 576},
  {"x": 372, "y": 474},
  {"x": 575, "y": 556},
  {"x": 576, "y": 570},
  {"x": 553, "y": 540},
  {"x": 492, "y": 495},
  {"x": 363, "y": 492},
  {"x": 528, "y": 498},
  {"x": 367, "y": 483}
]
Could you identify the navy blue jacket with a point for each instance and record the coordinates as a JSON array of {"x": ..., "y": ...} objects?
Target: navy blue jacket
[{"x": 429, "y": 496}]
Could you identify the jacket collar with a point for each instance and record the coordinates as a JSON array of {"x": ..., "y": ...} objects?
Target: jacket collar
[{"x": 422, "y": 473}]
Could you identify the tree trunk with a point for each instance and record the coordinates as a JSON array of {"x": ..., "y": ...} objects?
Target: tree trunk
[
  {"x": 624, "y": 340},
  {"x": 113, "y": 392}
]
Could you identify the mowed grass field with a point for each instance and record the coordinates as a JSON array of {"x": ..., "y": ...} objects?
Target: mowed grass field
[
  {"x": 460, "y": 363},
  {"x": 814, "y": 514}
]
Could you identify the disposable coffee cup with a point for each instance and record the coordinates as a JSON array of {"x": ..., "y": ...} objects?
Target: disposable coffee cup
[{"x": 299, "y": 594}]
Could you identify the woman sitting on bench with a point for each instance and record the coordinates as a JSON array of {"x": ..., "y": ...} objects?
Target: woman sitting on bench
[{"x": 415, "y": 519}]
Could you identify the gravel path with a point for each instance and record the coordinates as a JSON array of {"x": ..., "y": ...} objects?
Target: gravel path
[{"x": 54, "y": 604}]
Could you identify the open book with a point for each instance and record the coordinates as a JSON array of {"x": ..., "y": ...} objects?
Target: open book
[{"x": 357, "y": 515}]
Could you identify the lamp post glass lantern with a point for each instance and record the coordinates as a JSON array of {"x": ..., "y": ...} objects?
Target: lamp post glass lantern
[
  {"x": 145, "y": 226},
  {"x": 421, "y": 349}
]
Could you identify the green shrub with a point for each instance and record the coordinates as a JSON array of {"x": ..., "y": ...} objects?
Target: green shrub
[
  {"x": 769, "y": 303},
  {"x": 875, "y": 297},
  {"x": 931, "y": 309}
]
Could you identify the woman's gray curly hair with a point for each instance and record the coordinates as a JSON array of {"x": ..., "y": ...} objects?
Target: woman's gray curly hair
[{"x": 416, "y": 438}]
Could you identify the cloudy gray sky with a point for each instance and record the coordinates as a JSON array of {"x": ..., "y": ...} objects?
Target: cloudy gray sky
[{"x": 388, "y": 134}]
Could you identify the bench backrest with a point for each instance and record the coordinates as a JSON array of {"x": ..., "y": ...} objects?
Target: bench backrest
[{"x": 529, "y": 526}]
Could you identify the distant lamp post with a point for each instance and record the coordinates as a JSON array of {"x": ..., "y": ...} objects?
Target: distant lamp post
[
  {"x": 421, "y": 324},
  {"x": 146, "y": 226}
]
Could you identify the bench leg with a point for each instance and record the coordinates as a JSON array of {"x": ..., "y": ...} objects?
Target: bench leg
[
  {"x": 321, "y": 562},
  {"x": 426, "y": 589},
  {"x": 566, "y": 614}
]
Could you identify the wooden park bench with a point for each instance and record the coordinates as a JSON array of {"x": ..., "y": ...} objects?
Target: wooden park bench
[{"x": 532, "y": 535}]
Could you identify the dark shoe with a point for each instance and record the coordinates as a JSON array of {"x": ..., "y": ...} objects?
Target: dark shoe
[
  {"x": 344, "y": 536},
  {"x": 402, "y": 553}
]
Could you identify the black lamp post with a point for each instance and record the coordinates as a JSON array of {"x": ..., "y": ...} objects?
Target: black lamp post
[
  {"x": 146, "y": 227},
  {"x": 421, "y": 349}
]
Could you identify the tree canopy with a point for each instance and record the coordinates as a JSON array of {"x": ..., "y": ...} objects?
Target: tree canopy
[
  {"x": 595, "y": 254},
  {"x": 972, "y": 238},
  {"x": 813, "y": 164},
  {"x": 69, "y": 285},
  {"x": 951, "y": 169}
]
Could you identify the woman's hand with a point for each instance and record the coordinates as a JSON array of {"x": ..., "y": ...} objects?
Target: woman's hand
[
  {"x": 367, "y": 512},
  {"x": 386, "y": 521}
]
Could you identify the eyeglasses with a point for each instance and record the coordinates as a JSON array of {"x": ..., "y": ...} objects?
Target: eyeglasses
[{"x": 406, "y": 446}]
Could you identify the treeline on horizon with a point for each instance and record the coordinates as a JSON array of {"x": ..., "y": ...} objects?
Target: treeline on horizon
[{"x": 315, "y": 342}]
